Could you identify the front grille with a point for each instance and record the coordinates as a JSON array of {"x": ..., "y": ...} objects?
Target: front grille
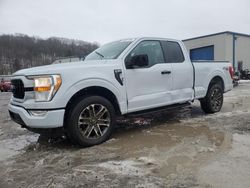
[{"x": 17, "y": 88}]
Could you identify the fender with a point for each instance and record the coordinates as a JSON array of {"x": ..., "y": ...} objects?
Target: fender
[
  {"x": 211, "y": 76},
  {"x": 89, "y": 82}
]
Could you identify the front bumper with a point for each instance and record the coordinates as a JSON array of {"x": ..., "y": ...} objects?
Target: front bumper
[{"x": 52, "y": 119}]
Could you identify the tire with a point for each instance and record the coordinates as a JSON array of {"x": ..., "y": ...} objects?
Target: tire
[
  {"x": 213, "y": 101},
  {"x": 90, "y": 121}
]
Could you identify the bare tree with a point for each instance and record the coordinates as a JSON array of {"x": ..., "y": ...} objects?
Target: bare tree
[{"x": 21, "y": 51}]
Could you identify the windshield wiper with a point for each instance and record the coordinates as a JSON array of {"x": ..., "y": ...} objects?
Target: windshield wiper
[{"x": 99, "y": 54}]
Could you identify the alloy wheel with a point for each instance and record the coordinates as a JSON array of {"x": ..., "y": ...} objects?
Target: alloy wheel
[
  {"x": 94, "y": 121},
  {"x": 216, "y": 99}
]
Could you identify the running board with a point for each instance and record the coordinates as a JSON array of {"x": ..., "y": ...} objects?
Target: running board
[{"x": 157, "y": 110}]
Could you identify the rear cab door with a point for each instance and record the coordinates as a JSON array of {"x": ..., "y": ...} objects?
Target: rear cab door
[{"x": 182, "y": 70}]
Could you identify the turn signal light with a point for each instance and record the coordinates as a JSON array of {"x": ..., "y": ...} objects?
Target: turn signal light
[
  {"x": 231, "y": 71},
  {"x": 41, "y": 89}
]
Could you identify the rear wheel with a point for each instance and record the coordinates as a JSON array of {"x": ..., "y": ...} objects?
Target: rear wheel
[
  {"x": 213, "y": 101},
  {"x": 90, "y": 121}
]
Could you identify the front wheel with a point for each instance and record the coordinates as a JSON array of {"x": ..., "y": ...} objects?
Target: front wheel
[
  {"x": 90, "y": 121},
  {"x": 213, "y": 101}
]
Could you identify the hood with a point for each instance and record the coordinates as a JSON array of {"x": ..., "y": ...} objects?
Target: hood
[{"x": 58, "y": 68}]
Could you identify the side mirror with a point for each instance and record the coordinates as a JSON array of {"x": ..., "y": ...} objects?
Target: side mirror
[{"x": 137, "y": 61}]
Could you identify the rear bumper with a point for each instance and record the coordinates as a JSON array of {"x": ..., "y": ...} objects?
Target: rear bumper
[
  {"x": 52, "y": 118},
  {"x": 228, "y": 87}
]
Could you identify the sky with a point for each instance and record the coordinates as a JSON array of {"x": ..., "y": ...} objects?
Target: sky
[{"x": 107, "y": 20}]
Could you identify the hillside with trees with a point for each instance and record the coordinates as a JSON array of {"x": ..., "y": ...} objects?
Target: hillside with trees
[{"x": 21, "y": 51}]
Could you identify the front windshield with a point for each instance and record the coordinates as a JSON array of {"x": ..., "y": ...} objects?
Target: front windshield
[{"x": 109, "y": 51}]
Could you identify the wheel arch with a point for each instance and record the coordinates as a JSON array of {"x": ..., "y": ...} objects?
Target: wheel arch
[
  {"x": 217, "y": 79},
  {"x": 206, "y": 103},
  {"x": 94, "y": 90}
]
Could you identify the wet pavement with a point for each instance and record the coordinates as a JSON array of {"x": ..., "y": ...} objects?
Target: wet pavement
[{"x": 177, "y": 148}]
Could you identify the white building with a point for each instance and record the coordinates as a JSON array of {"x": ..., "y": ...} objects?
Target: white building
[{"x": 229, "y": 46}]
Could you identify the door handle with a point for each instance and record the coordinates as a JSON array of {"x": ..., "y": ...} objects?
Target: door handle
[{"x": 165, "y": 72}]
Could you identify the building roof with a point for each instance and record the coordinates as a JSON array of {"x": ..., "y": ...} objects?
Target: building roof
[{"x": 224, "y": 32}]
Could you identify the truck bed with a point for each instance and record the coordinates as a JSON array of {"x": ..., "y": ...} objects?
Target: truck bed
[{"x": 205, "y": 71}]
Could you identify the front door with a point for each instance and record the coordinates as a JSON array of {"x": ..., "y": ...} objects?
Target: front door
[{"x": 149, "y": 86}]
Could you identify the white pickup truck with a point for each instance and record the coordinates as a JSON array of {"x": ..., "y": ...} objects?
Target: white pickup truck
[{"x": 122, "y": 77}]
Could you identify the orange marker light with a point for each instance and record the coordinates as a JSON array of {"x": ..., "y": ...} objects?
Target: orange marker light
[
  {"x": 41, "y": 89},
  {"x": 58, "y": 83}
]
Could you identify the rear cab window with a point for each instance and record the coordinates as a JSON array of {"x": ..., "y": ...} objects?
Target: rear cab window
[{"x": 172, "y": 52}]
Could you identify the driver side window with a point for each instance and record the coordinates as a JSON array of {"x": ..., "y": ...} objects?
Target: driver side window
[{"x": 150, "y": 48}]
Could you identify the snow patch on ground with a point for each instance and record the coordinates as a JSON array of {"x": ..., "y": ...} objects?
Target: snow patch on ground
[
  {"x": 126, "y": 167},
  {"x": 244, "y": 81},
  {"x": 10, "y": 147}
]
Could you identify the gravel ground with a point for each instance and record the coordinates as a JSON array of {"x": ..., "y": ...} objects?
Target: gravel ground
[{"x": 177, "y": 148}]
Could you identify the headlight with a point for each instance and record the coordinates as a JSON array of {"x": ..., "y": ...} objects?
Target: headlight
[{"x": 46, "y": 86}]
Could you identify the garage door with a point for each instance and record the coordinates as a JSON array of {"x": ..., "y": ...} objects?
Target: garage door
[{"x": 203, "y": 53}]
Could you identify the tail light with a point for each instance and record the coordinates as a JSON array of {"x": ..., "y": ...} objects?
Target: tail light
[{"x": 231, "y": 71}]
